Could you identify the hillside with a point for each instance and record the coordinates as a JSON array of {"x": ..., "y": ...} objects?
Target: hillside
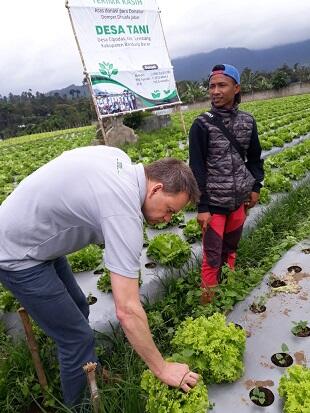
[{"x": 197, "y": 66}]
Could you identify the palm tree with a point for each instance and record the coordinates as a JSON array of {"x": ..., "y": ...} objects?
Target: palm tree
[
  {"x": 249, "y": 80},
  {"x": 194, "y": 92}
]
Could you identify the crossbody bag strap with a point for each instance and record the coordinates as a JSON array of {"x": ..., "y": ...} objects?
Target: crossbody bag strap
[{"x": 214, "y": 120}]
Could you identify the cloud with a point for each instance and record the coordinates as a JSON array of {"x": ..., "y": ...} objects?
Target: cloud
[{"x": 38, "y": 49}]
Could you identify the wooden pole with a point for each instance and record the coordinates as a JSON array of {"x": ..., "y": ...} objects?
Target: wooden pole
[
  {"x": 182, "y": 120},
  {"x": 90, "y": 369},
  {"x": 33, "y": 347}
]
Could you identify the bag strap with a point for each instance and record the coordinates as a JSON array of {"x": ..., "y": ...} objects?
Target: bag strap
[{"x": 215, "y": 120}]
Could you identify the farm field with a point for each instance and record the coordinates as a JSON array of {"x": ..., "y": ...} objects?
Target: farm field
[{"x": 284, "y": 127}]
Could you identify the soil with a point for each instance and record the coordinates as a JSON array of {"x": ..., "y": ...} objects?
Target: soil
[
  {"x": 294, "y": 269},
  {"x": 306, "y": 250},
  {"x": 269, "y": 397},
  {"x": 256, "y": 309},
  {"x": 288, "y": 360},
  {"x": 150, "y": 265},
  {"x": 278, "y": 283},
  {"x": 249, "y": 384},
  {"x": 300, "y": 358},
  {"x": 33, "y": 408},
  {"x": 303, "y": 333},
  {"x": 286, "y": 312},
  {"x": 92, "y": 300}
]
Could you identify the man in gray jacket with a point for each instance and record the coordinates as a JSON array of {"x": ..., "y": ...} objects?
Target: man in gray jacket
[
  {"x": 225, "y": 157},
  {"x": 89, "y": 195}
]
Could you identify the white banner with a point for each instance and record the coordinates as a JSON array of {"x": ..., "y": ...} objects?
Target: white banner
[{"x": 125, "y": 54}]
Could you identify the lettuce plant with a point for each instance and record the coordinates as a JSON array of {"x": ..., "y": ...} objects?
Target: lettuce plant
[
  {"x": 176, "y": 219},
  {"x": 85, "y": 259},
  {"x": 192, "y": 230},
  {"x": 277, "y": 182},
  {"x": 164, "y": 399},
  {"x": 295, "y": 388},
  {"x": 104, "y": 281},
  {"x": 169, "y": 249},
  {"x": 211, "y": 347}
]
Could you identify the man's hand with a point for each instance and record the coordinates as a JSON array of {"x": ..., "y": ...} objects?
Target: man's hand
[
  {"x": 252, "y": 201},
  {"x": 203, "y": 219},
  {"x": 178, "y": 375},
  {"x": 134, "y": 322}
]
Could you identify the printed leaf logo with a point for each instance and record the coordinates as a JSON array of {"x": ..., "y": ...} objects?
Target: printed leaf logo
[
  {"x": 106, "y": 69},
  {"x": 156, "y": 94},
  {"x": 167, "y": 92}
]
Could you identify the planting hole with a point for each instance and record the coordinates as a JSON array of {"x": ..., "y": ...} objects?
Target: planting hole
[
  {"x": 306, "y": 250},
  {"x": 257, "y": 309},
  {"x": 261, "y": 396},
  {"x": 238, "y": 326},
  {"x": 282, "y": 359},
  {"x": 278, "y": 283},
  {"x": 150, "y": 265},
  {"x": 303, "y": 333},
  {"x": 145, "y": 244},
  {"x": 91, "y": 300},
  {"x": 182, "y": 225},
  {"x": 294, "y": 269}
]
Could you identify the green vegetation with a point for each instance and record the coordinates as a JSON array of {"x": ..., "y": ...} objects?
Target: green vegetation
[
  {"x": 300, "y": 327},
  {"x": 212, "y": 348},
  {"x": 192, "y": 231},
  {"x": 258, "y": 396},
  {"x": 169, "y": 249},
  {"x": 34, "y": 113},
  {"x": 285, "y": 223},
  {"x": 162, "y": 399},
  {"x": 86, "y": 259},
  {"x": 295, "y": 388}
]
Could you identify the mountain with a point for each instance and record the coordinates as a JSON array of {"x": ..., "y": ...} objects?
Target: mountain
[
  {"x": 75, "y": 91},
  {"x": 197, "y": 66}
]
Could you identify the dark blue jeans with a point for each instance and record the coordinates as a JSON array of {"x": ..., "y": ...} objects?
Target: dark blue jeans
[{"x": 51, "y": 295}]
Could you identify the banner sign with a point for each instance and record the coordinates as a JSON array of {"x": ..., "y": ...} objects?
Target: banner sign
[{"x": 125, "y": 54}]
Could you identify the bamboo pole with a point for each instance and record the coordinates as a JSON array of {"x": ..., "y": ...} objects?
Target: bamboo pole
[
  {"x": 182, "y": 120},
  {"x": 33, "y": 347},
  {"x": 86, "y": 74},
  {"x": 90, "y": 370}
]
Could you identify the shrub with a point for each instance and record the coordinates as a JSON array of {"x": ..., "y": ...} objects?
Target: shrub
[{"x": 295, "y": 388}]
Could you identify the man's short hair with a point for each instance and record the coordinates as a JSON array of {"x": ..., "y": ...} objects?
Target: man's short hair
[{"x": 175, "y": 175}]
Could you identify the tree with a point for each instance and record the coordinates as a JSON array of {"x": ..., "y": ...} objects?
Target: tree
[
  {"x": 280, "y": 79},
  {"x": 250, "y": 81},
  {"x": 194, "y": 92}
]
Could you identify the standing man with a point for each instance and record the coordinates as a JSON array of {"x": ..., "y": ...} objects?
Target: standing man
[
  {"x": 89, "y": 195},
  {"x": 225, "y": 157}
]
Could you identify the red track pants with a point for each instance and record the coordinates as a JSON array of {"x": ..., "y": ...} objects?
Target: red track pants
[{"x": 220, "y": 243}]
